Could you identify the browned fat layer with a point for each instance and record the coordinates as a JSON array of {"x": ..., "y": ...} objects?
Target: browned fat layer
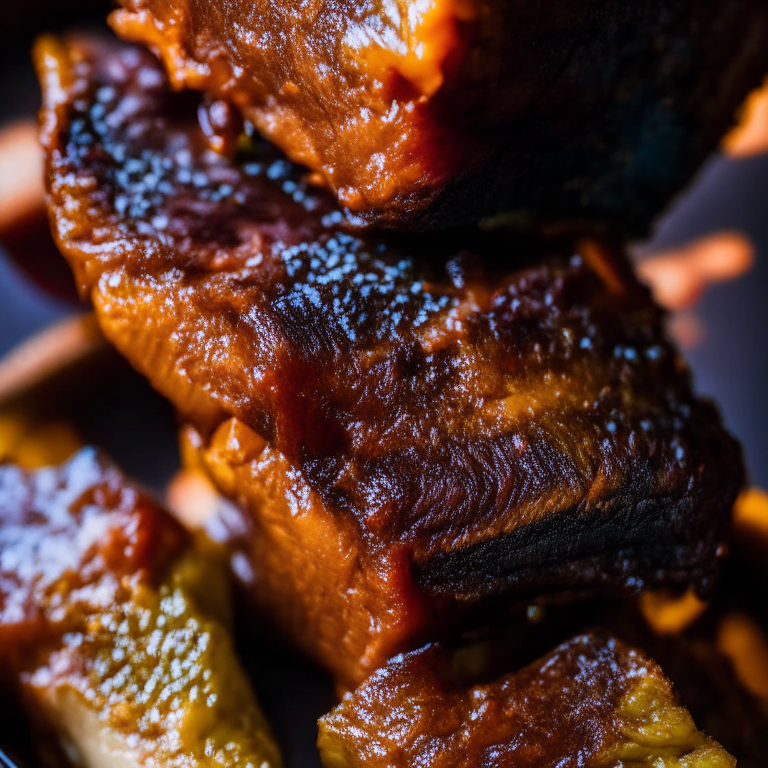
[
  {"x": 306, "y": 568},
  {"x": 592, "y": 702},
  {"x": 421, "y": 115},
  {"x": 490, "y": 418}
]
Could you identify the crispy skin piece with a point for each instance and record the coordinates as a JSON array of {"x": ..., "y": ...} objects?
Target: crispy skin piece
[
  {"x": 425, "y": 114},
  {"x": 460, "y": 431},
  {"x": 114, "y": 624},
  {"x": 592, "y": 702}
]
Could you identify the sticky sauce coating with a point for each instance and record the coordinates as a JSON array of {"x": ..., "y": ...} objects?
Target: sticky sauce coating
[
  {"x": 68, "y": 536},
  {"x": 428, "y": 114},
  {"x": 592, "y": 703},
  {"x": 501, "y": 428},
  {"x": 115, "y": 625}
]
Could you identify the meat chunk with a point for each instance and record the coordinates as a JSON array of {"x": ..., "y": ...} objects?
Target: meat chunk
[
  {"x": 114, "y": 624},
  {"x": 592, "y": 702},
  {"x": 428, "y": 114},
  {"x": 436, "y": 428}
]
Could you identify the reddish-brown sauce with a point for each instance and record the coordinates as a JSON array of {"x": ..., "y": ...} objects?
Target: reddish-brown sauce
[
  {"x": 428, "y": 114},
  {"x": 479, "y": 426}
]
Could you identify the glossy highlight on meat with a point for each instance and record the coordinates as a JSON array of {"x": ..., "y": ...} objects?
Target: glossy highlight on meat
[
  {"x": 439, "y": 421},
  {"x": 114, "y": 625},
  {"x": 422, "y": 115},
  {"x": 592, "y": 702}
]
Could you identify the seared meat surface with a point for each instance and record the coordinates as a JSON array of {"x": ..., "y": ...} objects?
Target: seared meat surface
[
  {"x": 425, "y": 114},
  {"x": 114, "y": 625},
  {"x": 592, "y": 703},
  {"x": 438, "y": 425}
]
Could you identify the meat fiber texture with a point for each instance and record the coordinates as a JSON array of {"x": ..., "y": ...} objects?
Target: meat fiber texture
[
  {"x": 592, "y": 702},
  {"x": 462, "y": 418}
]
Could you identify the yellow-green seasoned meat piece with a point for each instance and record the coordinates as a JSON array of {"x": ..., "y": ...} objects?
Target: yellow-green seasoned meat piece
[{"x": 114, "y": 622}]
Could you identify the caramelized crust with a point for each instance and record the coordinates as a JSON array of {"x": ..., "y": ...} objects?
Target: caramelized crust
[
  {"x": 485, "y": 430},
  {"x": 591, "y": 703},
  {"x": 114, "y": 624},
  {"x": 425, "y": 114}
]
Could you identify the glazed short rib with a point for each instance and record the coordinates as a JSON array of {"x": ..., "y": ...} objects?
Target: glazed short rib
[
  {"x": 413, "y": 428},
  {"x": 593, "y": 702}
]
